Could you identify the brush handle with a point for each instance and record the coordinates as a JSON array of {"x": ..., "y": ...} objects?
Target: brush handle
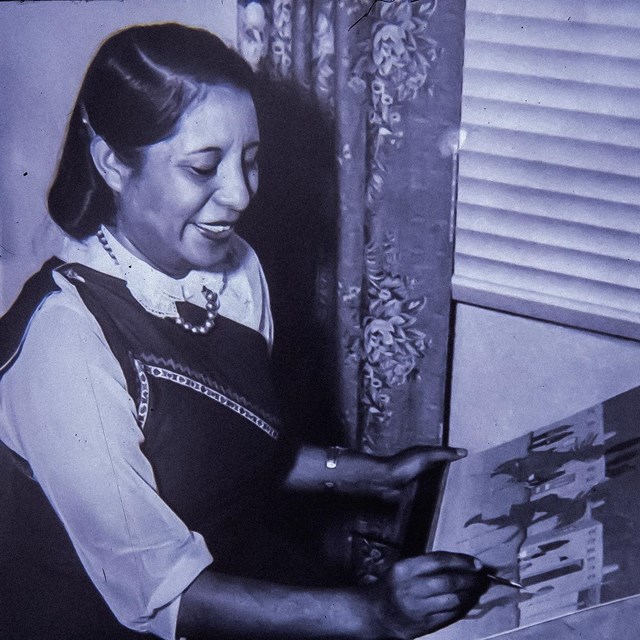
[{"x": 504, "y": 581}]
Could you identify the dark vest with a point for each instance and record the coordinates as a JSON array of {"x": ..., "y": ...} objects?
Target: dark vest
[{"x": 211, "y": 433}]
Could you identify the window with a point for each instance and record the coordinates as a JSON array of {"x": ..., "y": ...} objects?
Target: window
[{"x": 548, "y": 212}]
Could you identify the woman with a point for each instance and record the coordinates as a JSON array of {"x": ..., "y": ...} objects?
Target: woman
[{"x": 147, "y": 456}]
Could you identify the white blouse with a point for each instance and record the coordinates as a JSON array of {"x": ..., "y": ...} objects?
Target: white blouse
[{"x": 65, "y": 408}]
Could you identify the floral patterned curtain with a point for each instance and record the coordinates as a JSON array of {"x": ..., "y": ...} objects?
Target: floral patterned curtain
[{"x": 386, "y": 88}]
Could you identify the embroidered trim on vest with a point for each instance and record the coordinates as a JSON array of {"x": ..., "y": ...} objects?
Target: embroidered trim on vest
[
  {"x": 163, "y": 373},
  {"x": 143, "y": 404},
  {"x": 150, "y": 360}
]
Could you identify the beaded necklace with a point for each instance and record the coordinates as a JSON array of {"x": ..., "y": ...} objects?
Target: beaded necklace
[{"x": 212, "y": 299}]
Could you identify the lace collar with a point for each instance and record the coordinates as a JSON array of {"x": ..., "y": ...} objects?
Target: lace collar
[{"x": 158, "y": 292}]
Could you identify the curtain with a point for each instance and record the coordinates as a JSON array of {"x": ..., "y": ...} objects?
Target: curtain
[{"x": 356, "y": 195}]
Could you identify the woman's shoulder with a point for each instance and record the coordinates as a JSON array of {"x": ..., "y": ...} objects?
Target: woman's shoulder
[{"x": 48, "y": 313}]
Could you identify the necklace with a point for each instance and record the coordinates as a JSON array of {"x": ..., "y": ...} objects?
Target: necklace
[{"x": 212, "y": 299}]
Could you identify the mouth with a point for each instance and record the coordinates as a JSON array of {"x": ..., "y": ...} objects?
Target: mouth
[{"x": 214, "y": 230}]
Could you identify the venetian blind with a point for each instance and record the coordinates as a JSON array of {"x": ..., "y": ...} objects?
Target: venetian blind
[{"x": 548, "y": 210}]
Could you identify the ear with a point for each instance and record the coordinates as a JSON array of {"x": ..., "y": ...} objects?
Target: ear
[{"x": 113, "y": 170}]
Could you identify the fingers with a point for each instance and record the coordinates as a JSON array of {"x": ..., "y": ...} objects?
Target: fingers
[
  {"x": 432, "y": 581},
  {"x": 428, "y": 592},
  {"x": 459, "y": 602},
  {"x": 423, "y": 608},
  {"x": 435, "y": 454},
  {"x": 437, "y": 562},
  {"x": 438, "y": 582},
  {"x": 415, "y": 461},
  {"x": 446, "y": 584},
  {"x": 440, "y": 620}
]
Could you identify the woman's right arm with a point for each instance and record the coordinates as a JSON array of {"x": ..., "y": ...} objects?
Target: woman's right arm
[
  {"x": 65, "y": 408},
  {"x": 417, "y": 596}
]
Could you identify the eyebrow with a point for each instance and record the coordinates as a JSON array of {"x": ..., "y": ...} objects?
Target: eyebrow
[{"x": 251, "y": 145}]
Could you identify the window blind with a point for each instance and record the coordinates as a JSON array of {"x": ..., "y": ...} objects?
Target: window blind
[{"x": 548, "y": 207}]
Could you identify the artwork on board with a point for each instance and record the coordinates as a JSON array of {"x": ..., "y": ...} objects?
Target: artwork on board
[{"x": 551, "y": 511}]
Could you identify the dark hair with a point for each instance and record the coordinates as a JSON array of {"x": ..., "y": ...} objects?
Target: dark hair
[{"x": 135, "y": 90}]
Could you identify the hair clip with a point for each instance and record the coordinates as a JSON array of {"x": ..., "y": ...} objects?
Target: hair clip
[{"x": 85, "y": 121}]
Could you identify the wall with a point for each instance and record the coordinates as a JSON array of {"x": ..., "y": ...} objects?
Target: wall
[
  {"x": 44, "y": 50},
  {"x": 512, "y": 374}
]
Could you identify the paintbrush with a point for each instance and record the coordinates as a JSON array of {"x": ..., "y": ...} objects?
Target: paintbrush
[{"x": 504, "y": 581}]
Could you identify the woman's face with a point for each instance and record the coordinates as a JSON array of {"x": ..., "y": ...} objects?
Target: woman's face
[{"x": 178, "y": 211}]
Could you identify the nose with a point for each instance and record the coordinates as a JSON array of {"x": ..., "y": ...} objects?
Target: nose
[{"x": 233, "y": 188}]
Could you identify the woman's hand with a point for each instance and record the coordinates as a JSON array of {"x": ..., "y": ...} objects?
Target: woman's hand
[
  {"x": 388, "y": 476},
  {"x": 417, "y": 596},
  {"x": 361, "y": 474},
  {"x": 423, "y": 594}
]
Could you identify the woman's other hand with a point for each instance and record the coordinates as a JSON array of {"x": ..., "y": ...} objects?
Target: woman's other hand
[
  {"x": 390, "y": 475},
  {"x": 355, "y": 473},
  {"x": 423, "y": 594}
]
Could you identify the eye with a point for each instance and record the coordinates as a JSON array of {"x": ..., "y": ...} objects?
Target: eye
[
  {"x": 250, "y": 159},
  {"x": 204, "y": 171}
]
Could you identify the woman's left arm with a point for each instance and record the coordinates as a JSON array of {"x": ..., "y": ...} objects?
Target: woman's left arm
[{"x": 356, "y": 473}]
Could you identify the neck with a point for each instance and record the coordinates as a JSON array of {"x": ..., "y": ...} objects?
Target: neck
[{"x": 131, "y": 248}]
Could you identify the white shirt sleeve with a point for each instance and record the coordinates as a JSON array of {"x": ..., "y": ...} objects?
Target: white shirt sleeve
[{"x": 64, "y": 407}]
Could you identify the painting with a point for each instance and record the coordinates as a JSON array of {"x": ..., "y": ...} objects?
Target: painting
[{"x": 549, "y": 511}]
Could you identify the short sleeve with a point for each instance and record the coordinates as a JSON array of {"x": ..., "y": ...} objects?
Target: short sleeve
[{"x": 83, "y": 445}]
